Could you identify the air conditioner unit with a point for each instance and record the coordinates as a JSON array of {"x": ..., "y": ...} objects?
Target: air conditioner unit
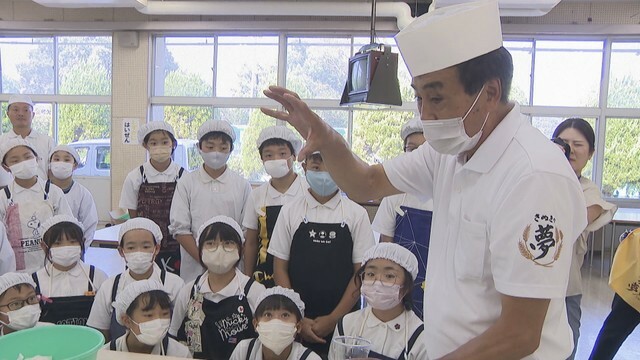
[
  {"x": 511, "y": 7},
  {"x": 92, "y": 3}
]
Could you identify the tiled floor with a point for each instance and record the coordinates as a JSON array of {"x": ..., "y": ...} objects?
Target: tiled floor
[{"x": 596, "y": 304}]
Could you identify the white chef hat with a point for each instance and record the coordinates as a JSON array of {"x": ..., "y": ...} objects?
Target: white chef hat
[
  {"x": 12, "y": 279},
  {"x": 216, "y": 125},
  {"x": 68, "y": 149},
  {"x": 140, "y": 223},
  {"x": 152, "y": 126},
  {"x": 57, "y": 219},
  {"x": 20, "y": 98},
  {"x": 130, "y": 293},
  {"x": 220, "y": 219},
  {"x": 6, "y": 146},
  {"x": 395, "y": 253},
  {"x": 449, "y": 36},
  {"x": 280, "y": 132},
  {"x": 288, "y": 293},
  {"x": 411, "y": 127}
]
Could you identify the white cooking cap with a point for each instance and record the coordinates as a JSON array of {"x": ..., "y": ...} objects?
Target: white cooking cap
[
  {"x": 68, "y": 149},
  {"x": 143, "y": 224},
  {"x": 130, "y": 293},
  {"x": 11, "y": 279},
  {"x": 12, "y": 143},
  {"x": 57, "y": 219},
  {"x": 20, "y": 98},
  {"x": 216, "y": 125},
  {"x": 220, "y": 219},
  {"x": 395, "y": 253},
  {"x": 280, "y": 132},
  {"x": 449, "y": 36},
  {"x": 288, "y": 293},
  {"x": 411, "y": 127},
  {"x": 152, "y": 126}
]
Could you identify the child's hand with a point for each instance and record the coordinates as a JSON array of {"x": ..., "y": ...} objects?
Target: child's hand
[
  {"x": 307, "y": 333},
  {"x": 324, "y": 326}
]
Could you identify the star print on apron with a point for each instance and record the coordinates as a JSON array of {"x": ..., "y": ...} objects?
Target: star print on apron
[
  {"x": 154, "y": 203},
  {"x": 23, "y": 222}
]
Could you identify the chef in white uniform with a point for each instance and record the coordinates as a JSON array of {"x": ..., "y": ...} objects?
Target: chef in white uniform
[{"x": 507, "y": 206}]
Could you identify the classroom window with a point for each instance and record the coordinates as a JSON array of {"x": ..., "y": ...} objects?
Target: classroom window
[
  {"x": 376, "y": 134},
  {"x": 84, "y": 65},
  {"x": 621, "y": 175},
  {"x": 522, "y": 54},
  {"x": 103, "y": 157},
  {"x": 177, "y": 72},
  {"x": 624, "y": 78}
]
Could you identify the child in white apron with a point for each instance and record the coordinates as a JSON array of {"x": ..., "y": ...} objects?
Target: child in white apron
[{"x": 26, "y": 203}]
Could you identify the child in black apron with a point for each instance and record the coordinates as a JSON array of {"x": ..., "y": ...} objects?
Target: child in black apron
[
  {"x": 19, "y": 308},
  {"x": 277, "y": 320},
  {"x": 213, "y": 313},
  {"x": 144, "y": 308},
  {"x": 148, "y": 190},
  {"x": 388, "y": 322},
  {"x": 66, "y": 285}
]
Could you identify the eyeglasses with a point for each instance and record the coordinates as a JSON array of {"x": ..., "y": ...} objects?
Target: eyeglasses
[
  {"x": 386, "y": 279},
  {"x": 19, "y": 304},
  {"x": 227, "y": 245}
]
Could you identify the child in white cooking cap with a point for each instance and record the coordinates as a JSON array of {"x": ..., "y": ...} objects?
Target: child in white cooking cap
[
  {"x": 27, "y": 203},
  {"x": 213, "y": 313},
  {"x": 148, "y": 189},
  {"x": 277, "y": 320},
  {"x": 63, "y": 160},
  {"x": 144, "y": 308},
  {"x": 139, "y": 244},
  {"x": 212, "y": 190},
  {"x": 67, "y": 285},
  {"x": 388, "y": 322},
  {"x": 19, "y": 307},
  {"x": 278, "y": 147}
]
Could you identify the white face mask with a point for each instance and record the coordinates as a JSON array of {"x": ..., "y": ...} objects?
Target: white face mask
[
  {"x": 25, "y": 170},
  {"x": 139, "y": 262},
  {"x": 24, "y": 318},
  {"x": 447, "y": 136},
  {"x": 160, "y": 153},
  {"x": 65, "y": 255},
  {"x": 61, "y": 169},
  {"x": 276, "y": 334},
  {"x": 215, "y": 160},
  {"x": 380, "y": 297},
  {"x": 219, "y": 261},
  {"x": 152, "y": 332},
  {"x": 277, "y": 168}
]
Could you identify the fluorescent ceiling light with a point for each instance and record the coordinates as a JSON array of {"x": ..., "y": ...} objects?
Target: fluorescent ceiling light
[{"x": 512, "y": 7}]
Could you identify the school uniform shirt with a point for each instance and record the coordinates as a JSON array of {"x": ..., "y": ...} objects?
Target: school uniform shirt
[
  {"x": 83, "y": 207},
  {"x": 43, "y": 144},
  {"x": 174, "y": 348},
  {"x": 131, "y": 186},
  {"x": 240, "y": 352},
  {"x": 592, "y": 197},
  {"x": 267, "y": 195},
  {"x": 7, "y": 256},
  {"x": 68, "y": 283},
  {"x": 100, "y": 315},
  {"x": 387, "y": 338},
  {"x": 293, "y": 213},
  {"x": 504, "y": 222},
  {"x": 385, "y": 220},
  {"x": 234, "y": 288},
  {"x": 198, "y": 198}
]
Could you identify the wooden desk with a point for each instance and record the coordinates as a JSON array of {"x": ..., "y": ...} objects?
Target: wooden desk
[
  {"x": 624, "y": 216},
  {"x": 106, "y": 237}
]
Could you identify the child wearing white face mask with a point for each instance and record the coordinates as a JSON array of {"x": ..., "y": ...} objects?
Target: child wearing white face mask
[
  {"x": 19, "y": 308},
  {"x": 144, "y": 308},
  {"x": 212, "y": 190},
  {"x": 139, "y": 244},
  {"x": 26, "y": 203},
  {"x": 66, "y": 284},
  {"x": 213, "y": 313},
  {"x": 388, "y": 322},
  {"x": 148, "y": 189},
  {"x": 277, "y": 320},
  {"x": 63, "y": 160}
]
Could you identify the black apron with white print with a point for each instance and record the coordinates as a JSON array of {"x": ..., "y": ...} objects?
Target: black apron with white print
[{"x": 264, "y": 266}]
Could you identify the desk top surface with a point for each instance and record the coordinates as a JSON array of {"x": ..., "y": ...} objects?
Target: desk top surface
[
  {"x": 627, "y": 215},
  {"x": 118, "y": 355}
]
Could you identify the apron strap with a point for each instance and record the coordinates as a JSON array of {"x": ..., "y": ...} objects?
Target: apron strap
[
  {"x": 112, "y": 345},
  {"x": 195, "y": 284},
  {"x": 7, "y": 192},
  {"x": 165, "y": 344},
  {"x": 248, "y": 286},
  {"x": 412, "y": 341},
  {"x": 340, "y": 327},
  {"x": 114, "y": 289},
  {"x": 252, "y": 343},
  {"x": 144, "y": 177},
  {"x": 92, "y": 270},
  {"x": 47, "y": 185},
  {"x": 306, "y": 354},
  {"x": 163, "y": 275},
  {"x": 180, "y": 173},
  {"x": 35, "y": 280}
]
